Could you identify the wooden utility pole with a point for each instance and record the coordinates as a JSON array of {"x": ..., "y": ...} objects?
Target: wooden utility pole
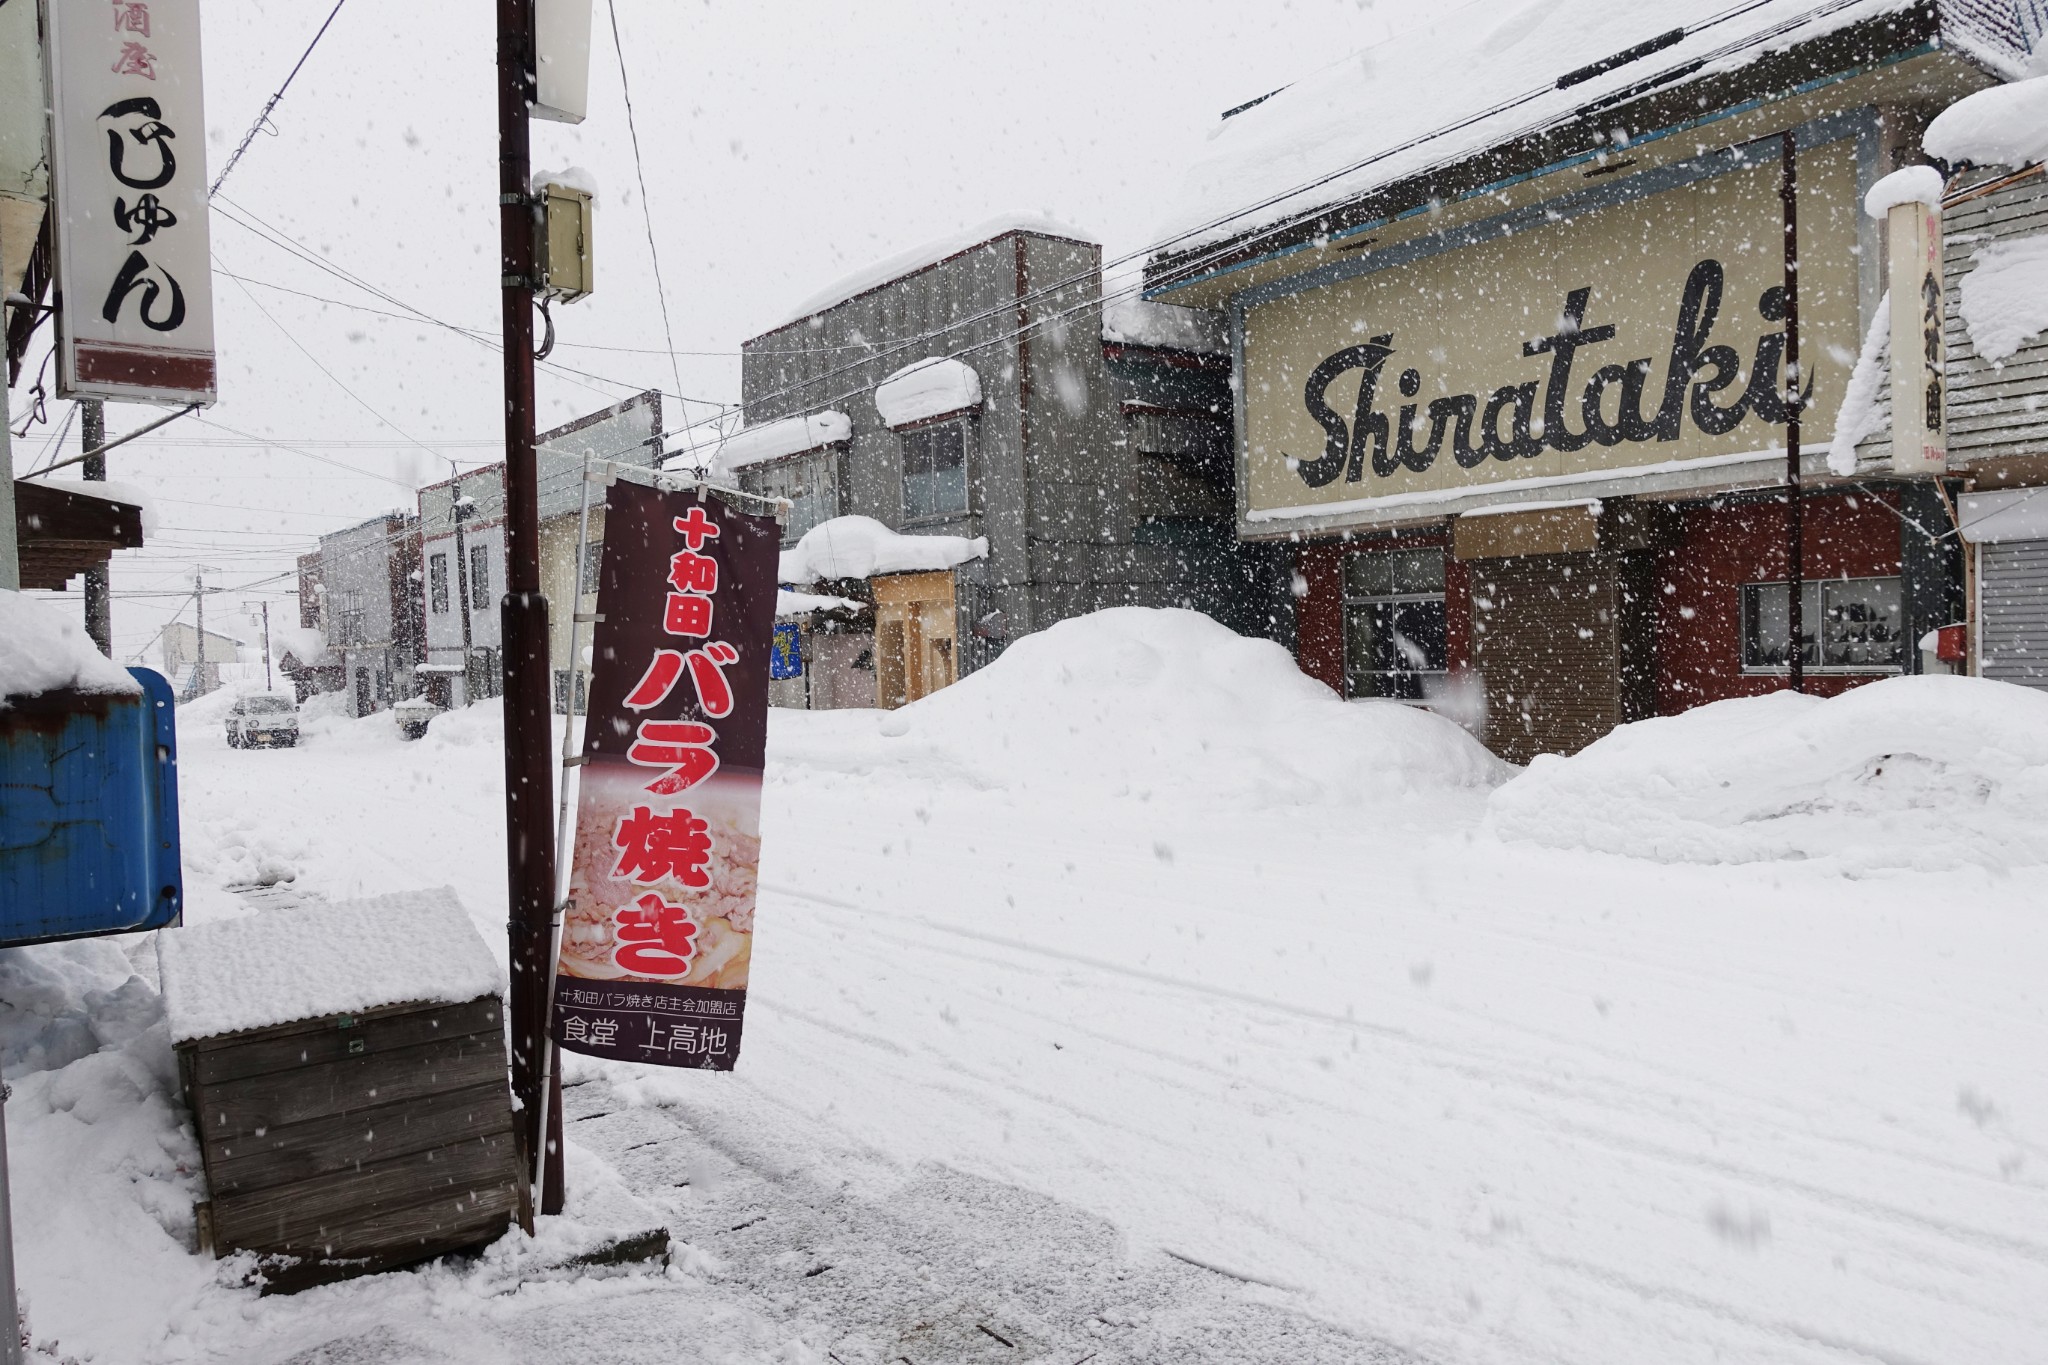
[
  {"x": 1795, "y": 393},
  {"x": 523, "y": 616},
  {"x": 99, "y": 598}
]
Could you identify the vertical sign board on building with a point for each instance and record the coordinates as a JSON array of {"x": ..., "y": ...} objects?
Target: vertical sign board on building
[
  {"x": 128, "y": 149},
  {"x": 1919, "y": 348},
  {"x": 660, "y": 928}
]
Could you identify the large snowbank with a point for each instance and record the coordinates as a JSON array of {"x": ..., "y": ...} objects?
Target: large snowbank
[
  {"x": 43, "y": 649},
  {"x": 2004, "y": 299},
  {"x": 1169, "y": 703},
  {"x": 1452, "y": 85},
  {"x": 927, "y": 388},
  {"x": 1920, "y": 773},
  {"x": 1865, "y": 407},
  {"x": 311, "y": 961},
  {"x": 894, "y": 267},
  {"x": 785, "y": 436},
  {"x": 860, "y": 547},
  {"x": 2006, "y": 125}
]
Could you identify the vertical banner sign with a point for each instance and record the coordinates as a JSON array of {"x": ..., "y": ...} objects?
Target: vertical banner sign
[
  {"x": 128, "y": 152},
  {"x": 1919, "y": 347},
  {"x": 660, "y": 927}
]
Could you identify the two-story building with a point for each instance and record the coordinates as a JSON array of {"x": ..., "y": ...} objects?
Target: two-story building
[
  {"x": 362, "y": 594},
  {"x": 973, "y": 390},
  {"x": 1508, "y": 319}
]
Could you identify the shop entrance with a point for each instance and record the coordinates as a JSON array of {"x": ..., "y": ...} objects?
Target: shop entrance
[
  {"x": 916, "y": 637},
  {"x": 1545, "y": 638}
]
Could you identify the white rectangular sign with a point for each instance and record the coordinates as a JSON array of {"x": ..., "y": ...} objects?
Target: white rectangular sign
[
  {"x": 1919, "y": 346},
  {"x": 128, "y": 147}
]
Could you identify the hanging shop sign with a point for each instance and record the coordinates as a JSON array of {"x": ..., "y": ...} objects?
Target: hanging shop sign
[
  {"x": 128, "y": 151},
  {"x": 1643, "y": 333},
  {"x": 787, "y": 658},
  {"x": 1919, "y": 346},
  {"x": 660, "y": 929}
]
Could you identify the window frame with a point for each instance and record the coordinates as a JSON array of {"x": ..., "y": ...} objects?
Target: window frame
[
  {"x": 1348, "y": 599},
  {"x": 438, "y": 595},
  {"x": 1817, "y": 623},
  {"x": 821, "y": 465},
  {"x": 923, "y": 433},
  {"x": 479, "y": 577}
]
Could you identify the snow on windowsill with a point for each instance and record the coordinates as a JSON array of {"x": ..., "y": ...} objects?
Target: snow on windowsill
[
  {"x": 1166, "y": 326},
  {"x": 2006, "y": 125},
  {"x": 927, "y": 388},
  {"x": 786, "y": 436}
]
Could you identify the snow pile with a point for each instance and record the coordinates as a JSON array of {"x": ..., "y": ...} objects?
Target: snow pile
[
  {"x": 932, "y": 253},
  {"x": 1146, "y": 701},
  {"x": 569, "y": 178},
  {"x": 927, "y": 388},
  {"x": 42, "y": 649},
  {"x": 1169, "y": 327},
  {"x": 1907, "y": 185},
  {"x": 1923, "y": 773},
  {"x": 303, "y": 643},
  {"x": 860, "y": 547},
  {"x": 311, "y": 961},
  {"x": 2004, "y": 298},
  {"x": 1864, "y": 413},
  {"x": 786, "y": 436},
  {"x": 2006, "y": 125}
]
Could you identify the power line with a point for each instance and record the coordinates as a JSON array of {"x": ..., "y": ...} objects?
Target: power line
[
  {"x": 647, "y": 213},
  {"x": 264, "y": 117}
]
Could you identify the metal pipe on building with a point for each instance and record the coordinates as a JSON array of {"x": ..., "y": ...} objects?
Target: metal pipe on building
[
  {"x": 1795, "y": 550},
  {"x": 99, "y": 600}
]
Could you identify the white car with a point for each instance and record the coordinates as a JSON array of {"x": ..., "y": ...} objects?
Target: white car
[{"x": 263, "y": 718}]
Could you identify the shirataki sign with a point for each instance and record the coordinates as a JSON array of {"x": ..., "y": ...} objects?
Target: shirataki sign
[
  {"x": 1637, "y": 334},
  {"x": 133, "y": 268},
  {"x": 660, "y": 928}
]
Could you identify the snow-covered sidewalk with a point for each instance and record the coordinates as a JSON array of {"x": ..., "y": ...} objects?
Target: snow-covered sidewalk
[{"x": 1279, "y": 1026}]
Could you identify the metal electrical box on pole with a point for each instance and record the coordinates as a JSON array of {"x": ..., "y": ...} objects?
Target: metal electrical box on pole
[{"x": 567, "y": 270}]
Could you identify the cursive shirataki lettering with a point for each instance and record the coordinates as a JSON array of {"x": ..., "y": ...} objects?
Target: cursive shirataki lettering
[{"x": 1511, "y": 425}]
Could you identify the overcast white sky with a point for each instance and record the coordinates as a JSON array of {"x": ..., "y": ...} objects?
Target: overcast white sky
[{"x": 785, "y": 144}]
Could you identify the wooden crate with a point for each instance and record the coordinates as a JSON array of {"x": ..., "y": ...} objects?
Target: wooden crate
[{"x": 356, "y": 1142}]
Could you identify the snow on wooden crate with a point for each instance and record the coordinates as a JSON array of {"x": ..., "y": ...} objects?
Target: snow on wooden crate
[{"x": 345, "y": 1068}]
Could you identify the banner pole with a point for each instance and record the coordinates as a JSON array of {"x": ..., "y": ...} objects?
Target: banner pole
[{"x": 548, "y": 1193}]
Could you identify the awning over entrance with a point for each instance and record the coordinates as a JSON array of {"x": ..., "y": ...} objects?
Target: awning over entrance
[{"x": 62, "y": 533}]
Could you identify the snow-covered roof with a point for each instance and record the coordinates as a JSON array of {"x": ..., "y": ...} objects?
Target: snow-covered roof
[
  {"x": 789, "y": 603},
  {"x": 903, "y": 263},
  {"x": 312, "y": 961},
  {"x": 861, "y": 547},
  {"x": 926, "y": 388},
  {"x": 2006, "y": 125},
  {"x": 786, "y": 436},
  {"x": 306, "y": 645},
  {"x": 1477, "y": 76},
  {"x": 112, "y": 490},
  {"x": 1140, "y": 322},
  {"x": 42, "y": 649}
]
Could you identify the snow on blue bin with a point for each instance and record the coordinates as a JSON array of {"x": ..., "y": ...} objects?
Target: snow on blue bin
[{"x": 89, "y": 813}]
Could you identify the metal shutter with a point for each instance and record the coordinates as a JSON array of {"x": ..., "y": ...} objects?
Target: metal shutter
[
  {"x": 1546, "y": 639},
  {"x": 2014, "y": 591}
]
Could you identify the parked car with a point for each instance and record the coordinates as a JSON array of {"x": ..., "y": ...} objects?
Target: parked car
[{"x": 263, "y": 718}]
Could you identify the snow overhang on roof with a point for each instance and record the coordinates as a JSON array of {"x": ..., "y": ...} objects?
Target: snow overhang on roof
[
  {"x": 892, "y": 268},
  {"x": 934, "y": 387},
  {"x": 1166, "y": 327},
  {"x": 861, "y": 547},
  {"x": 788, "y": 436},
  {"x": 1476, "y": 99}
]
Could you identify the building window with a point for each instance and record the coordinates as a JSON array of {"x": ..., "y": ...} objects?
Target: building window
[
  {"x": 593, "y": 560},
  {"x": 437, "y": 583},
  {"x": 479, "y": 577},
  {"x": 1395, "y": 640},
  {"x": 935, "y": 472},
  {"x": 810, "y": 482},
  {"x": 1849, "y": 625},
  {"x": 346, "y": 609}
]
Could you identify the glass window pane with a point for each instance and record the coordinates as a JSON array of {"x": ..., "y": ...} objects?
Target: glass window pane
[
  {"x": 1366, "y": 575},
  {"x": 1417, "y": 571},
  {"x": 1862, "y": 623},
  {"x": 1359, "y": 675}
]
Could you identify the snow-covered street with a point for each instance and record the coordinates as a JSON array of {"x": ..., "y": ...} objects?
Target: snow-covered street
[{"x": 1190, "y": 1014}]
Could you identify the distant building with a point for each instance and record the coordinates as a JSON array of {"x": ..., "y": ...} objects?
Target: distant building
[
  {"x": 368, "y": 598},
  {"x": 971, "y": 389},
  {"x": 181, "y": 654}
]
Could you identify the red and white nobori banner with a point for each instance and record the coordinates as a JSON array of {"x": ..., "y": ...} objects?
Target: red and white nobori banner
[
  {"x": 660, "y": 928},
  {"x": 128, "y": 161}
]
